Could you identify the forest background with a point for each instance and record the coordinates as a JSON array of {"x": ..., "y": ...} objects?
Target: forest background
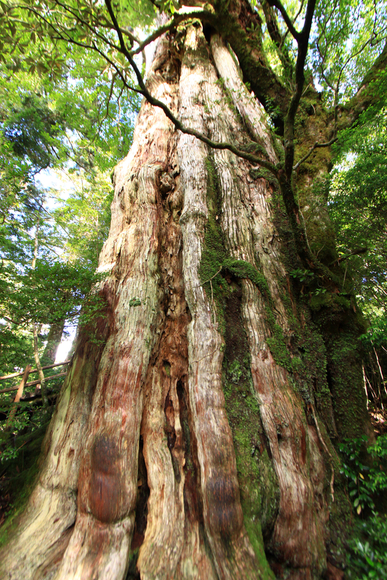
[{"x": 65, "y": 109}]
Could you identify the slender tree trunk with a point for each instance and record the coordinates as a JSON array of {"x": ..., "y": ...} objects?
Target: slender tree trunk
[
  {"x": 54, "y": 338},
  {"x": 192, "y": 439},
  {"x": 36, "y": 327}
]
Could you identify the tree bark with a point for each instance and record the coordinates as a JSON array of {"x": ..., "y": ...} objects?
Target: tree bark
[{"x": 193, "y": 434}]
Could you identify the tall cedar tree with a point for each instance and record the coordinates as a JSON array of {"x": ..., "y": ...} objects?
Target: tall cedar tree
[{"x": 195, "y": 435}]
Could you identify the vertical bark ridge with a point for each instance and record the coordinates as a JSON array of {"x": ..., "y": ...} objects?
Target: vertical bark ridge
[
  {"x": 196, "y": 560},
  {"x": 107, "y": 495},
  {"x": 223, "y": 519},
  {"x": 252, "y": 114},
  {"x": 298, "y": 538},
  {"x": 173, "y": 546}
]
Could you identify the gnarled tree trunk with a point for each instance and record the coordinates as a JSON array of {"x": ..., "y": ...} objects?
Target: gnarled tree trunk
[{"x": 193, "y": 438}]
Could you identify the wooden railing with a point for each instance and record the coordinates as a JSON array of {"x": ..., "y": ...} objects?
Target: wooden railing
[
  {"x": 23, "y": 383},
  {"x": 25, "y": 374}
]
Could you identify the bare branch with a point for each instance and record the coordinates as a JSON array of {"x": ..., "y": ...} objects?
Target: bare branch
[
  {"x": 303, "y": 41},
  {"x": 315, "y": 146}
]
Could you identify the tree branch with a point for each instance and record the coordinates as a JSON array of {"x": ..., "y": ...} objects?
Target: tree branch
[
  {"x": 315, "y": 146},
  {"x": 353, "y": 253},
  {"x": 180, "y": 16},
  {"x": 278, "y": 4},
  {"x": 303, "y": 42},
  {"x": 155, "y": 102}
]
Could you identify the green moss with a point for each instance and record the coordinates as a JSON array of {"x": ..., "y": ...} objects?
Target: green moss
[
  {"x": 257, "y": 479},
  {"x": 344, "y": 358},
  {"x": 228, "y": 100},
  {"x": 242, "y": 269},
  {"x": 339, "y": 525},
  {"x": 277, "y": 344},
  {"x": 262, "y": 173},
  {"x": 214, "y": 252},
  {"x": 254, "y": 148},
  {"x": 328, "y": 300},
  {"x": 254, "y": 532}
]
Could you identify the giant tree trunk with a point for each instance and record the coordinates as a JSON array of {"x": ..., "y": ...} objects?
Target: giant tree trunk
[{"x": 192, "y": 439}]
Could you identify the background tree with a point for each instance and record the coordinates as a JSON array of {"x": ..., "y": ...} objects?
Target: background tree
[
  {"x": 198, "y": 434},
  {"x": 43, "y": 127}
]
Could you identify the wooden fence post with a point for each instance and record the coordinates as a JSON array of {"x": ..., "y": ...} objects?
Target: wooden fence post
[{"x": 18, "y": 395}]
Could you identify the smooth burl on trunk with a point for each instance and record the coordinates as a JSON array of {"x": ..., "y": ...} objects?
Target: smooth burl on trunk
[{"x": 192, "y": 439}]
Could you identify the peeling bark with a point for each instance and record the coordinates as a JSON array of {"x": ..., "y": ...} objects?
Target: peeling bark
[{"x": 155, "y": 458}]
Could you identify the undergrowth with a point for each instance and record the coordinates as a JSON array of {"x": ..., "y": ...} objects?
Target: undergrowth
[{"x": 366, "y": 471}]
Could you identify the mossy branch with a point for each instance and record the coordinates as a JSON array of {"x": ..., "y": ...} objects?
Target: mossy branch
[
  {"x": 353, "y": 253},
  {"x": 315, "y": 146}
]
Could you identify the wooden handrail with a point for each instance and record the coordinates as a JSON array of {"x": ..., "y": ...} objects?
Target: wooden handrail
[
  {"x": 66, "y": 362},
  {"x": 32, "y": 383}
]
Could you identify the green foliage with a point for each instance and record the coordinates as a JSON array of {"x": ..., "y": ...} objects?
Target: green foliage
[
  {"x": 366, "y": 480},
  {"x": 366, "y": 473},
  {"x": 358, "y": 201},
  {"x": 304, "y": 276},
  {"x": 82, "y": 216},
  {"x": 346, "y": 41},
  {"x": 20, "y": 468},
  {"x": 367, "y": 556},
  {"x": 376, "y": 335},
  {"x": 48, "y": 293},
  {"x": 62, "y": 107},
  {"x": 16, "y": 347},
  {"x": 31, "y": 128}
]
